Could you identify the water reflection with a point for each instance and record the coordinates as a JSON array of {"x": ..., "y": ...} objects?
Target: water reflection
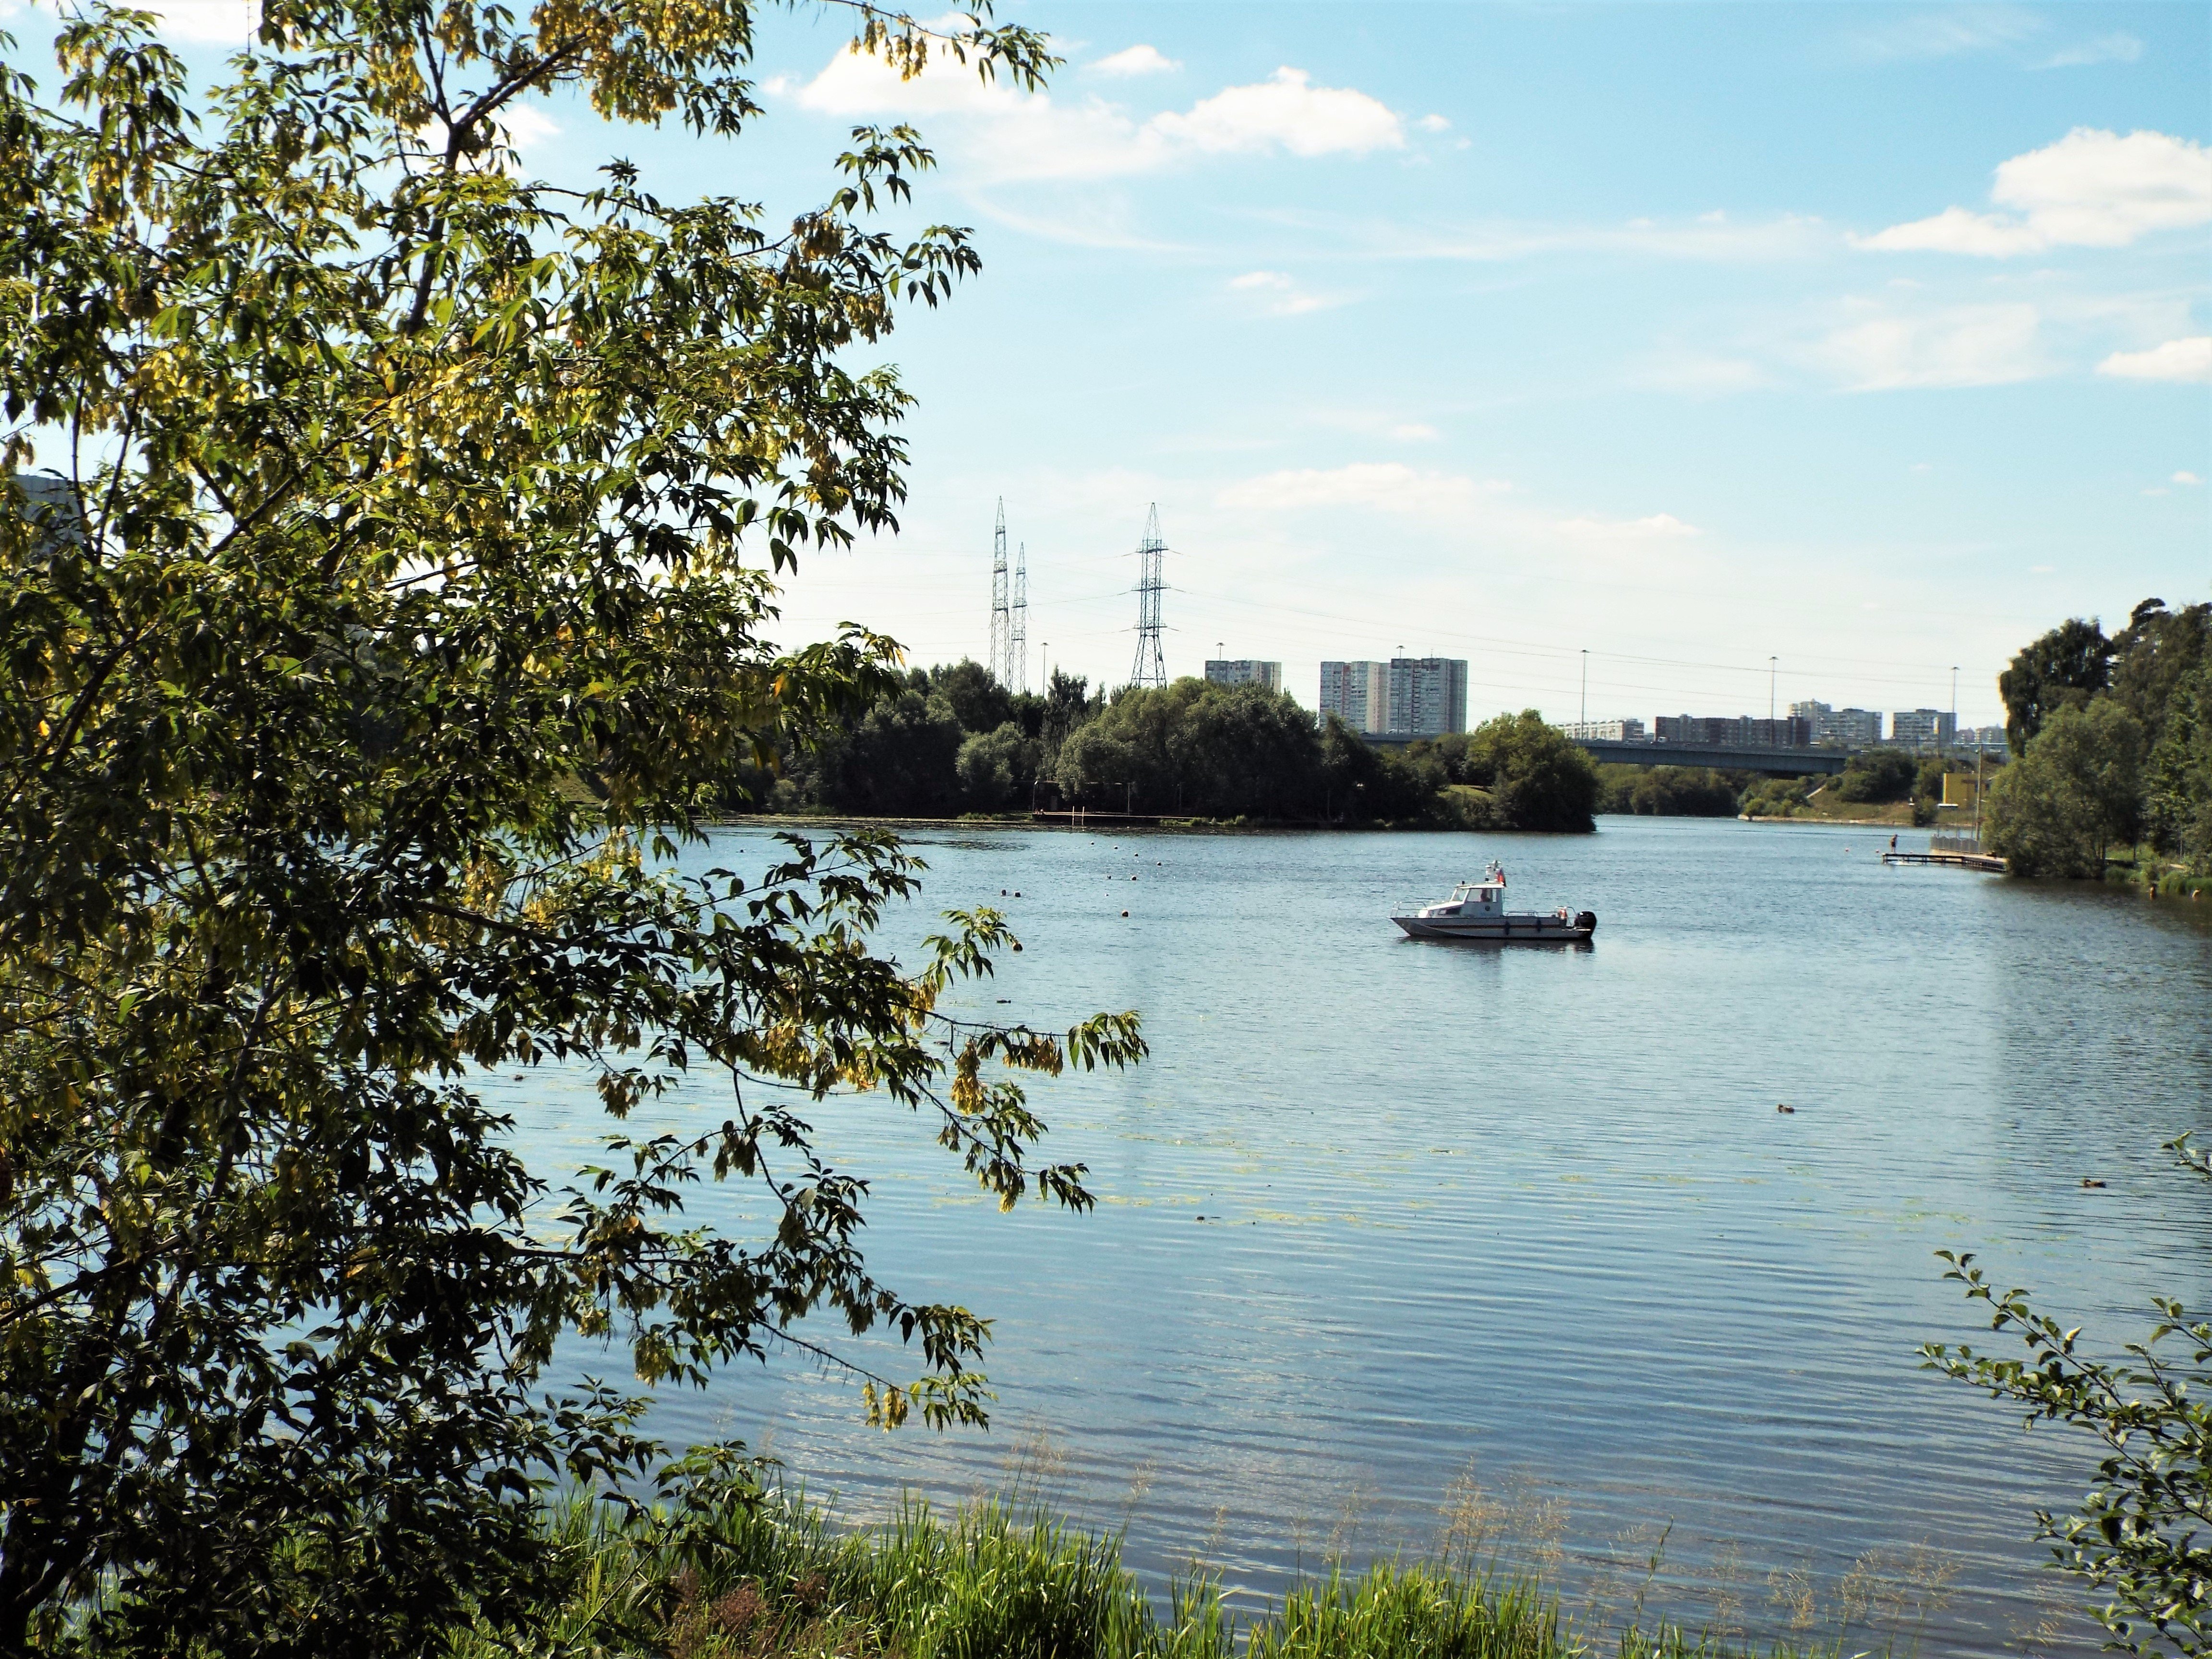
[{"x": 1409, "y": 1248}]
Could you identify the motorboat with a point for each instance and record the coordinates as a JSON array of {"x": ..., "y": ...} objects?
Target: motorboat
[{"x": 1476, "y": 910}]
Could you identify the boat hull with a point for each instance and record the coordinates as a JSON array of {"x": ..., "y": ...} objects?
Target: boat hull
[{"x": 1502, "y": 930}]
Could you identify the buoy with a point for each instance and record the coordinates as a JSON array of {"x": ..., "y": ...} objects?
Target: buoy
[
  {"x": 1125, "y": 913},
  {"x": 1018, "y": 947},
  {"x": 1018, "y": 892}
]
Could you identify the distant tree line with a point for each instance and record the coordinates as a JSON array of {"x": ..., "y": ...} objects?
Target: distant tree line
[
  {"x": 1880, "y": 777},
  {"x": 2113, "y": 745},
  {"x": 952, "y": 741}
]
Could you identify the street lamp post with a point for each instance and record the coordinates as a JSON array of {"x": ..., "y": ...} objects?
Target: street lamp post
[
  {"x": 1772, "y": 669},
  {"x": 1585, "y": 688}
]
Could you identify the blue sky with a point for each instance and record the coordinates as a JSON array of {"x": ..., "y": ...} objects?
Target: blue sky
[{"x": 1875, "y": 339}]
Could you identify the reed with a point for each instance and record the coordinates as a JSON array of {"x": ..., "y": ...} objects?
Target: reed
[{"x": 776, "y": 1579}]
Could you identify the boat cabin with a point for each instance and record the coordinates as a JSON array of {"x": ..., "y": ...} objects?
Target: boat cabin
[{"x": 1474, "y": 899}]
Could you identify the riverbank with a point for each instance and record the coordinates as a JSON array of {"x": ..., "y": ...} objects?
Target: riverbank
[
  {"x": 772, "y": 1575},
  {"x": 2154, "y": 877}
]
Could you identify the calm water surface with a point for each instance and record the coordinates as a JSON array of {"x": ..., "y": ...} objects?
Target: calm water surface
[{"x": 1401, "y": 1245}]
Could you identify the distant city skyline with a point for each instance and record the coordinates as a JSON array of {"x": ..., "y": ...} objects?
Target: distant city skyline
[{"x": 1874, "y": 339}]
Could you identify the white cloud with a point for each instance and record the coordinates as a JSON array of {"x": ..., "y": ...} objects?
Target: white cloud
[
  {"x": 1946, "y": 34},
  {"x": 1375, "y": 486},
  {"x": 1879, "y": 349},
  {"x": 1433, "y": 123},
  {"x": 1289, "y": 111},
  {"x": 1677, "y": 368},
  {"x": 1026, "y": 134},
  {"x": 216, "y": 23},
  {"x": 2091, "y": 189},
  {"x": 526, "y": 125},
  {"x": 1660, "y": 526},
  {"x": 2189, "y": 478},
  {"x": 1711, "y": 237},
  {"x": 2119, "y": 48},
  {"x": 1957, "y": 230},
  {"x": 1135, "y": 60},
  {"x": 2189, "y": 358},
  {"x": 1281, "y": 294},
  {"x": 1375, "y": 423}
]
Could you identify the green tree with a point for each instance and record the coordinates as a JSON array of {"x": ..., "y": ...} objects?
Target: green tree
[
  {"x": 2075, "y": 792},
  {"x": 2153, "y": 654},
  {"x": 1538, "y": 778},
  {"x": 996, "y": 769},
  {"x": 2178, "y": 774},
  {"x": 2063, "y": 668},
  {"x": 899, "y": 759},
  {"x": 369, "y": 652},
  {"x": 1189, "y": 746},
  {"x": 1361, "y": 783},
  {"x": 979, "y": 703},
  {"x": 2141, "y": 1536},
  {"x": 1243, "y": 750},
  {"x": 1668, "y": 791},
  {"x": 1877, "y": 777}
]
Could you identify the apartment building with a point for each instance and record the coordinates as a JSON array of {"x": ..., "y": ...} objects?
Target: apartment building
[
  {"x": 1428, "y": 695},
  {"x": 1244, "y": 670},
  {"x": 1357, "y": 693}
]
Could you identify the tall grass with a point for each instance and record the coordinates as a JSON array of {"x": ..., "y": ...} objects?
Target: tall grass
[{"x": 774, "y": 1577}]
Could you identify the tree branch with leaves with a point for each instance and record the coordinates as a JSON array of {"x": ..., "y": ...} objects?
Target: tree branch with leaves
[
  {"x": 387, "y": 562},
  {"x": 2142, "y": 1537}
]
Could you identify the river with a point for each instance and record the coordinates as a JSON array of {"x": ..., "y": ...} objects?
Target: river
[{"x": 1403, "y": 1245}]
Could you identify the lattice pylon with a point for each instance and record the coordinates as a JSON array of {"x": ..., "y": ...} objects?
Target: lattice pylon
[
  {"x": 1000, "y": 663},
  {"x": 1018, "y": 640},
  {"x": 1151, "y": 666}
]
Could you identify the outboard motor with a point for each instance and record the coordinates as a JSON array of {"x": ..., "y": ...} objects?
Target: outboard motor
[{"x": 1587, "y": 920}]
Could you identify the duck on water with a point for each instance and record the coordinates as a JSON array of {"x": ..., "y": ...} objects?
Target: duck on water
[{"x": 1476, "y": 910}]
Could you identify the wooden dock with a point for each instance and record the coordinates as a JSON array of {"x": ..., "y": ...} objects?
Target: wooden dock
[
  {"x": 1987, "y": 862},
  {"x": 1080, "y": 819}
]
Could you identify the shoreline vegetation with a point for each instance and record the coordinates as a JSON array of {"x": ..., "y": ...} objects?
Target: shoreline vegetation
[
  {"x": 2110, "y": 773},
  {"x": 751, "y": 1574},
  {"x": 945, "y": 743}
]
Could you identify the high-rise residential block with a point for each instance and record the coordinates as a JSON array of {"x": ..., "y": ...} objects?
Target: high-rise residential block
[
  {"x": 1923, "y": 728},
  {"x": 1840, "y": 728},
  {"x": 1244, "y": 670},
  {"x": 1427, "y": 696},
  {"x": 1743, "y": 731},
  {"x": 1624, "y": 731},
  {"x": 1357, "y": 693}
]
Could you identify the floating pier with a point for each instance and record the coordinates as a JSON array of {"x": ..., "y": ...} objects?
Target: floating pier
[{"x": 1987, "y": 862}]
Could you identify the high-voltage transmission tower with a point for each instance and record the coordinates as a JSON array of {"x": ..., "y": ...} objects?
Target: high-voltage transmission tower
[
  {"x": 1151, "y": 668},
  {"x": 1001, "y": 663},
  {"x": 1018, "y": 639}
]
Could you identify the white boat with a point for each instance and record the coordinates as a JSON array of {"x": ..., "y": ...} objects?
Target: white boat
[{"x": 1476, "y": 910}]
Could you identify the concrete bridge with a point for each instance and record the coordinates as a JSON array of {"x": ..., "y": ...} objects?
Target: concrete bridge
[{"x": 1783, "y": 762}]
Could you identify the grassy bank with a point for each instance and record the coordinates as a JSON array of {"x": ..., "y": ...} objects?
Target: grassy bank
[
  {"x": 2158, "y": 877},
  {"x": 776, "y": 1578}
]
